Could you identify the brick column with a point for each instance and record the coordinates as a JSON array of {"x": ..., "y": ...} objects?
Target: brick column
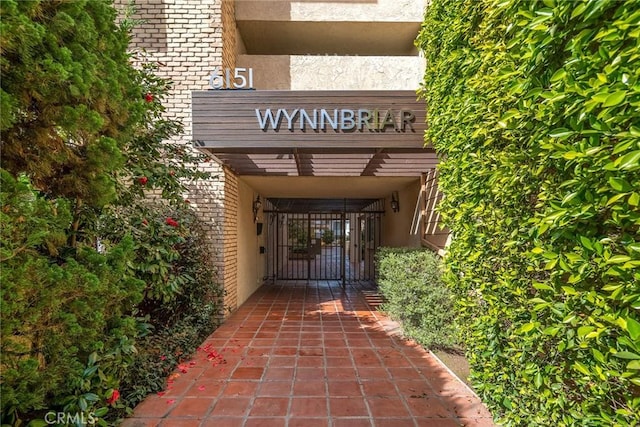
[{"x": 185, "y": 37}]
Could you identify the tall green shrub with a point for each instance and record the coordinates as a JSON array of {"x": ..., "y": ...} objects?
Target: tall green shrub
[
  {"x": 410, "y": 281},
  {"x": 57, "y": 309},
  {"x": 533, "y": 107},
  {"x": 83, "y": 144},
  {"x": 69, "y": 96}
]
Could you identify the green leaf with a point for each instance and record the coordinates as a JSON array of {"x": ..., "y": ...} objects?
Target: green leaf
[
  {"x": 101, "y": 412},
  {"x": 561, "y": 133},
  {"x": 618, "y": 259},
  {"x": 627, "y": 355},
  {"x": 93, "y": 358},
  {"x": 538, "y": 380},
  {"x": 634, "y": 365},
  {"x": 619, "y": 184},
  {"x": 527, "y": 327},
  {"x": 633, "y": 326},
  {"x": 584, "y": 330},
  {"x": 558, "y": 75},
  {"x": 615, "y": 98},
  {"x": 580, "y": 367},
  {"x": 634, "y": 199},
  {"x": 506, "y": 402},
  {"x": 586, "y": 242},
  {"x": 542, "y": 286},
  {"x": 578, "y": 10},
  {"x": 91, "y": 397},
  {"x": 623, "y": 146},
  {"x": 551, "y": 330},
  {"x": 598, "y": 355},
  {"x": 630, "y": 161}
]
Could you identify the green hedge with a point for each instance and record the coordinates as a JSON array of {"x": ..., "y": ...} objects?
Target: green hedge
[
  {"x": 79, "y": 324},
  {"x": 58, "y": 308},
  {"x": 410, "y": 281},
  {"x": 534, "y": 108},
  {"x": 102, "y": 291}
]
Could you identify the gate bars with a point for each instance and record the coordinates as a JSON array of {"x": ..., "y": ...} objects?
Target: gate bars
[{"x": 323, "y": 245}]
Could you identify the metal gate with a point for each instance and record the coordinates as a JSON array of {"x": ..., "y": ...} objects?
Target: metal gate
[{"x": 335, "y": 245}]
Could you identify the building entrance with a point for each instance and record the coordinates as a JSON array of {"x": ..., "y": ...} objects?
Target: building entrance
[{"x": 323, "y": 239}]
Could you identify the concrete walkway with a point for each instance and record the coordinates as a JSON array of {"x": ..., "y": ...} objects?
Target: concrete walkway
[{"x": 310, "y": 354}]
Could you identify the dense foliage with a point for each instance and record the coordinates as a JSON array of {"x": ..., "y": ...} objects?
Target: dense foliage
[
  {"x": 533, "y": 107},
  {"x": 181, "y": 304},
  {"x": 69, "y": 96},
  {"x": 410, "y": 280},
  {"x": 57, "y": 309},
  {"x": 97, "y": 279}
]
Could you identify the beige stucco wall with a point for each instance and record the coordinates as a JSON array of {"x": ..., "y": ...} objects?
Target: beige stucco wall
[
  {"x": 350, "y": 10},
  {"x": 379, "y": 10},
  {"x": 299, "y": 72},
  {"x": 251, "y": 264},
  {"x": 397, "y": 227}
]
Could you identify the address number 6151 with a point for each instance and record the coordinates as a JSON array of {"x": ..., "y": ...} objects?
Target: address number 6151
[{"x": 237, "y": 78}]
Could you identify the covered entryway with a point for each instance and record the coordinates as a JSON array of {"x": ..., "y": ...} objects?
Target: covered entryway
[
  {"x": 323, "y": 239},
  {"x": 314, "y": 181}
]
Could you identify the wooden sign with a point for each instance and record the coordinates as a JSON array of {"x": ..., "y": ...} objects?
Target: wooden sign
[{"x": 247, "y": 119}]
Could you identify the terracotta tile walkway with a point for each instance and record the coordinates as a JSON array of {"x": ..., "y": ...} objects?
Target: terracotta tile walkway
[{"x": 310, "y": 354}]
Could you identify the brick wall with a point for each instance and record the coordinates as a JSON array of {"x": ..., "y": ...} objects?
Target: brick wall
[
  {"x": 185, "y": 37},
  {"x": 229, "y": 30},
  {"x": 230, "y": 240}
]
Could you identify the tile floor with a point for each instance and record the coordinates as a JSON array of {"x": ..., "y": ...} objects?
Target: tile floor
[{"x": 310, "y": 354}]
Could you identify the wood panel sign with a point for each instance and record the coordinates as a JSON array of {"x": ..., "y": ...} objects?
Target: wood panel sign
[{"x": 232, "y": 119}]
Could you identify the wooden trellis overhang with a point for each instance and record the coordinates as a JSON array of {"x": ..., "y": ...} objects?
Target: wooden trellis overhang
[{"x": 313, "y": 133}]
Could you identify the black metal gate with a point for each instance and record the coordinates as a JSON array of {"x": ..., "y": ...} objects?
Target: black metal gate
[{"x": 334, "y": 245}]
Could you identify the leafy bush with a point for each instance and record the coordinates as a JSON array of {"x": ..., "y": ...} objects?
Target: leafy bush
[
  {"x": 88, "y": 130},
  {"x": 68, "y": 89},
  {"x": 182, "y": 300},
  {"x": 410, "y": 281},
  {"x": 534, "y": 109},
  {"x": 161, "y": 351},
  {"x": 171, "y": 256},
  {"x": 327, "y": 236},
  {"x": 59, "y": 309}
]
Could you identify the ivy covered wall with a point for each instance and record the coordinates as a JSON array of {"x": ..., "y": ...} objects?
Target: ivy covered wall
[{"x": 534, "y": 107}]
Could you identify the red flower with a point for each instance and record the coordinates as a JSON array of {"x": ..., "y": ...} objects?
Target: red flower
[
  {"x": 172, "y": 173},
  {"x": 148, "y": 97},
  {"x": 115, "y": 395},
  {"x": 172, "y": 222},
  {"x": 145, "y": 222},
  {"x": 187, "y": 201},
  {"x": 143, "y": 180}
]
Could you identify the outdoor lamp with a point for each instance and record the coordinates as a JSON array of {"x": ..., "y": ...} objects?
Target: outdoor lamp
[
  {"x": 395, "y": 204},
  {"x": 257, "y": 204}
]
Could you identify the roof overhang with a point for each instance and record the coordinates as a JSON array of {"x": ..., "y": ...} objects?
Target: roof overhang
[{"x": 313, "y": 133}]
